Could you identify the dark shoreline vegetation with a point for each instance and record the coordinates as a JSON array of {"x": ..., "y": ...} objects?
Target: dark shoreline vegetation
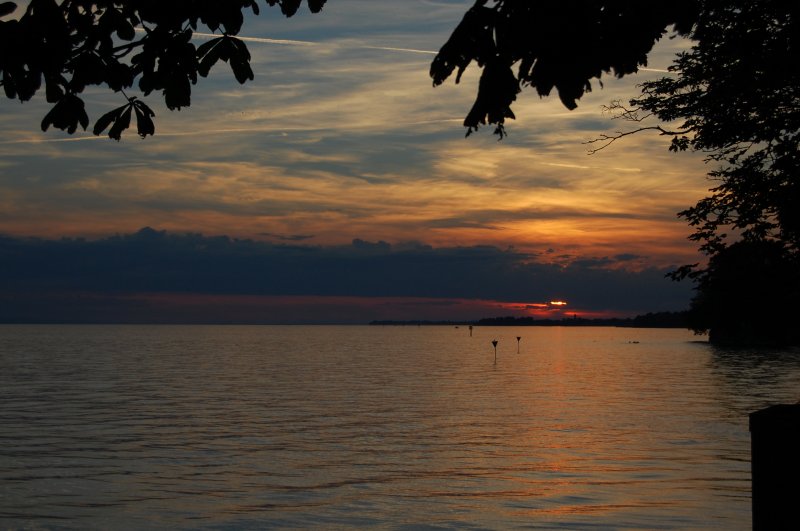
[{"x": 648, "y": 320}]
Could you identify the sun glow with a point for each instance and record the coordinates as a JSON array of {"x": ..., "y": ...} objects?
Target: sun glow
[{"x": 558, "y": 303}]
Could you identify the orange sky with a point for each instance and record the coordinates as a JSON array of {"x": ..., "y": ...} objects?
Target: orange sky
[{"x": 342, "y": 137}]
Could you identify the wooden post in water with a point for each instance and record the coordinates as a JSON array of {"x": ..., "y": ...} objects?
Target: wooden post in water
[
  {"x": 518, "y": 338},
  {"x": 470, "y": 330},
  {"x": 494, "y": 344},
  {"x": 775, "y": 466}
]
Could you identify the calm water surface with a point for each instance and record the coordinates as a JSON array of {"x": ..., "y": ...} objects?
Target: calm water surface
[{"x": 204, "y": 427}]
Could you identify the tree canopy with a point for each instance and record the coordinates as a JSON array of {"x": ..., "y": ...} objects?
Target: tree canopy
[
  {"x": 734, "y": 96},
  {"x": 63, "y": 47},
  {"x": 552, "y": 45},
  {"x": 748, "y": 295}
]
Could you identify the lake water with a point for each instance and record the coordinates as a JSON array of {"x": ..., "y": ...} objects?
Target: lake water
[{"x": 211, "y": 427}]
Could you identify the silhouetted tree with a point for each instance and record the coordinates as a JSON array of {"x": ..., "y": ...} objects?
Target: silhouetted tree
[
  {"x": 66, "y": 46},
  {"x": 734, "y": 96},
  {"x": 547, "y": 45},
  {"x": 749, "y": 295}
]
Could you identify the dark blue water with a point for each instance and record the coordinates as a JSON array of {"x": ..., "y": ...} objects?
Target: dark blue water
[{"x": 205, "y": 427}]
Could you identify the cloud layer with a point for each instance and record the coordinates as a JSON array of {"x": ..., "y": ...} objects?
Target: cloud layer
[
  {"x": 155, "y": 262},
  {"x": 339, "y": 139}
]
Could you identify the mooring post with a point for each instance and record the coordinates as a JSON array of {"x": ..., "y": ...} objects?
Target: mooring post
[
  {"x": 775, "y": 466},
  {"x": 494, "y": 344}
]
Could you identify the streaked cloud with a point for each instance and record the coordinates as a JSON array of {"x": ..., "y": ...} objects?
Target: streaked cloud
[{"x": 341, "y": 137}]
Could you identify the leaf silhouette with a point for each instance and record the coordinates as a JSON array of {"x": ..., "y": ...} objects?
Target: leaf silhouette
[
  {"x": 177, "y": 92},
  {"x": 208, "y": 54},
  {"x": 53, "y": 90},
  {"x": 107, "y": 119},
  {"x": 65, "y": 47},
  {"x": 229, "y": 49},
  {"x": 240, "y": 61},
  {"x": 67, "y": 114},
  {"x": 125, "y": 31},
  {"x": 316, "y": 5},
  {"x": 290, "y": 7},
  {"x": 121, "y": 123},
  {"x": 120, "y": 119},
  {"x": 6, "y": 8},
  {"x": 144, "y": 119}
]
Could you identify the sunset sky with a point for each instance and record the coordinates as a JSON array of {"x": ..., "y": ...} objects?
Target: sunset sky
[{"x": 338, "y": 187}]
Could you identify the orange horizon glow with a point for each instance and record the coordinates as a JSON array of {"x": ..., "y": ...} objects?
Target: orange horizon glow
[
  {"x": 549, "y": 310},
  {"x": 333, "y": 232},
  {"x": 310, "y": 309}
]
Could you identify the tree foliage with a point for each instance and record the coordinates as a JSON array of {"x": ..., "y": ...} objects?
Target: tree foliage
[
  {"x": 552, "y": 45},
  {"x": 748, "y": 295},
  {"x": 63, "y": 47},
  {"x": 734, "y": 96}
]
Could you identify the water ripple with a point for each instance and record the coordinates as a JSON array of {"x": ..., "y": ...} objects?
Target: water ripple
[{"x": 132, "y": 427}]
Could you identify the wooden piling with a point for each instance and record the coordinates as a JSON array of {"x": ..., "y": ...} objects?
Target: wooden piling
[{"x": 775, "y": 467}]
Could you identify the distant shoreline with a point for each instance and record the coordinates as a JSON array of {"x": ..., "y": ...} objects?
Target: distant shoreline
[{"x": 649, "y": 320}]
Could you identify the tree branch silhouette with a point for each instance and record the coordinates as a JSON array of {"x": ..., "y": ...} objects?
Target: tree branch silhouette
[
  {"x": 619, "y": 111},
  {"x": 66, "y": 46},
  {"x": 558, "y": 46},
  {"x": 734, "y": 95}
]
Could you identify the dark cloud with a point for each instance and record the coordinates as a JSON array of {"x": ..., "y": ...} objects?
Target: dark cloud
[
  {"x": 628, "y": 257},
  {"x": 152, "y": 261},
  {"x": 287, "y": 237},
  {"x": 462, "y": 222},
  {"x": 592, "y": 263}
]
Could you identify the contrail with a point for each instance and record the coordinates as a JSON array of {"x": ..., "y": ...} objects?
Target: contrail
[
  {"x": 49, "y": 140},
  {"x": 292, "y": 42},
  {"x": 262, "y": 40},
  {"x": 199, "y": 132},
  {"x": 390, "y": 49},
  {"x": 282, "y": 42}
]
